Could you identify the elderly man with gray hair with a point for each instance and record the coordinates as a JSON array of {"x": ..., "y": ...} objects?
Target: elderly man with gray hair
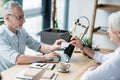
[{"x": 14, "y": 39}]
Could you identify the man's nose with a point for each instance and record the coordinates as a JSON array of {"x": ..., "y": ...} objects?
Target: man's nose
[
  {"x": 108, "y": 29},
  {"x": 23, "y": 21}
]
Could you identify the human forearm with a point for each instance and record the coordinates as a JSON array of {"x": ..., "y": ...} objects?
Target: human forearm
[
  {"x": 46, "y": 48},
  {"x": 88, "y": 51},
  {"x": 50, "y": 48},
  {"x": 75, "y": 41},
  {"x": 25, "y": 59}
]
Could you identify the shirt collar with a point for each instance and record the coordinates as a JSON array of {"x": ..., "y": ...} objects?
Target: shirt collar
[
  {"x": 8, "y": 31},
  {"x": 118, "y": 49}
]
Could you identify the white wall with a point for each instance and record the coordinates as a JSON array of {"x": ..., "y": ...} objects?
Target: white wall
[{"x": 84, "y": 8}]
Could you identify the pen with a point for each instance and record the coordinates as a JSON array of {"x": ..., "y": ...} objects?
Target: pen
[
  {"x": 41, "y": 65},
  {"x": 55, "y": 76},
  {"x": 53, "y": 67}
]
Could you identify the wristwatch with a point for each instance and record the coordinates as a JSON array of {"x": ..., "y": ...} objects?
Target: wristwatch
[{"x": 82, "y": 47}]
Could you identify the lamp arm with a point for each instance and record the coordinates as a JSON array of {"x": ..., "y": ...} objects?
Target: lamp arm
[{"x": 77, "y": 23}]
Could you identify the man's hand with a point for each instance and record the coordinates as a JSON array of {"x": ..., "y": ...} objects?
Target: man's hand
[
  {"x": 45, "y": 48},
  {"x": 57, "y": 44},
  {"x": 51, "y": 56}
]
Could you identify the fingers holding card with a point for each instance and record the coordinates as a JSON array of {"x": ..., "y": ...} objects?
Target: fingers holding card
[{"x": 64, "y": 44}]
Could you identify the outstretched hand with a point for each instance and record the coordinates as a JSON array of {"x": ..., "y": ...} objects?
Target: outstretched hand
[
  {"x": 57, "y": 44},
  {"x": 75, "y": 41}
]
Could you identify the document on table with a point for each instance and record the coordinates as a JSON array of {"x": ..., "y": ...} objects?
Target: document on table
[
  {"x": 28, "y": 73},
  {"x": 53, "y": 77},
  {"x": 42, "y": 66},
  {"x": 21, "y": 75}
]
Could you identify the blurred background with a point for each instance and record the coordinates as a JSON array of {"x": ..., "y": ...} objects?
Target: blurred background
[{"x": 38, "y": 17}]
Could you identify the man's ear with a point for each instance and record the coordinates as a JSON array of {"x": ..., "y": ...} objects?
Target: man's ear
[
  {"x": 6, "y": 17},
  {"x": 118, "y": 32}
]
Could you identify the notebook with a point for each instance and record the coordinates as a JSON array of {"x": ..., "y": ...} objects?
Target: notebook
[
  {"x": 29, "y": 73},
  {"x": 48, "y": 75}
]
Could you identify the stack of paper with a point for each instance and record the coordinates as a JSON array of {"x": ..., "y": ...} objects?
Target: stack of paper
[
  {"x": 42, "y": 66},
  {"x": 49, "y": 76},
  {"x": 32, "y": 72},
  {"x": 29, "y": 73}
]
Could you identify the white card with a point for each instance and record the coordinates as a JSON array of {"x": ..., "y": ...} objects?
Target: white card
[{"x": 64, "y": 44}]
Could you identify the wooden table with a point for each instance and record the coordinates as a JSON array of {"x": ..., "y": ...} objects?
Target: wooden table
[{"x": 79, "y": 63}]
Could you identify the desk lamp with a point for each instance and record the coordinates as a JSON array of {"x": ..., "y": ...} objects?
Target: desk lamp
[{"x": 82, "y": 23}]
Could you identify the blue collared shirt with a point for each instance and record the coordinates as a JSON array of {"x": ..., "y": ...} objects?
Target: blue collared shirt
[{"x": 12, "y": 45}]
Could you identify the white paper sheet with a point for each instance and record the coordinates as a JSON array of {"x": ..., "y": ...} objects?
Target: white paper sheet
[
  {"x": 42, "y": 66},
  {"x": 21, "y": 75}
]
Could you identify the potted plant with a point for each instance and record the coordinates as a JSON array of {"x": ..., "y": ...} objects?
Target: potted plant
[
  {"x": 87, "y": 42},
  {"x": 49, "y": 36},
  {"x": 2, "y": 2},
  {"x": 1, "y": 22}
]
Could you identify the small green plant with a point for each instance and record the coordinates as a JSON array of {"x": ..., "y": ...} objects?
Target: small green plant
[
  {"x": 55, "y": 28},
  {"x": 54, "y": 16},
  {"x": 1, "y": 22},
  {"x": 54, "y": 19},
  {"x": 87, "y": 42}
]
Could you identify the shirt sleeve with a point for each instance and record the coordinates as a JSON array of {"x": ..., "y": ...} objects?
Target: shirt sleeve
[
  {"x": 31, "y": 42},
  {"x": 100, "y": 57},
  {"x": 6, "y": 51},
  {"x": 106, "y": 71}
]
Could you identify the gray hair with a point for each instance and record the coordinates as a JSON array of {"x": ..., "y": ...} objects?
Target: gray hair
[
  {"x": 8, "y": 6},
  {"x": 114, "y": 21}
]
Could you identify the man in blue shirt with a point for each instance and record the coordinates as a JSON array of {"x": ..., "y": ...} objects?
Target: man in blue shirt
[{"x": 14, "y": 39}]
